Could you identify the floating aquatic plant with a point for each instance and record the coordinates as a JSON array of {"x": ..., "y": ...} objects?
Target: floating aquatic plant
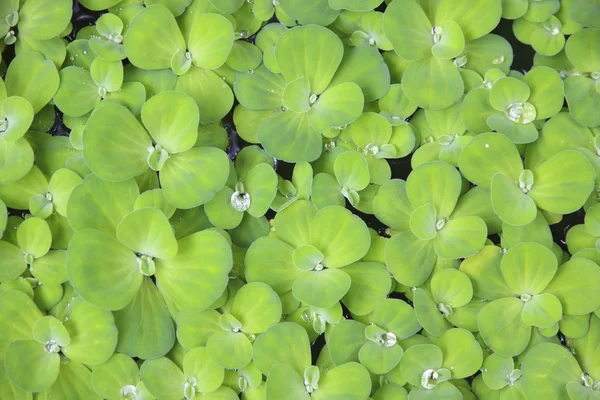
[{"x": 320, "y": 199}]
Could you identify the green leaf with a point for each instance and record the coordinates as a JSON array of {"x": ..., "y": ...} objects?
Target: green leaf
[
  {"x": 110, "y": 378},
  {"x": 18, "y": 115},
  {"x": 209, "y": 376},
  {"x": 507, "y": 91},
  {"x": 192, "y": 285},
  {"x": 147, "y": 231},
  {"x": 410, "y": 259},
  {"x": 310, "y": 51},
  {"x": 269, "y": 260},
  {"x": 101, "y": 205},
  {"x": 528, "y": 268},
  {"x": 364, "y": 66},
  {"x": 460, "y": 237},
  {"x": 462, "y": 352},
  {"x": 184, "y": 182},
  {"x": 261, "y": 184},
  {"x": 32, "y": 77},
  {"x": 296, "y": 95},
  {"x": 547, "y": 91},
  {"x": 49, "y": 328},
  {"x": 370, "y": 284},
  {"x": 379, "y": 359},
  {"x": 229, "y": 349},
  {"x": 423, "y": 222},
  {"x": 210, "y": 40},
  {"x": 312, "y": 12},
  {"x": 163, "y": 378},
  {"x": 501, "y": 319},
  {"x": 322, "y": 288},
  {"x": 289, "y": 335},
  {"x": 563, "y": 182},
  {"x": 195, "y": 328},
  {"x": 172, "y": 120},
  {"x": 352, "y": 171},
  {"x": 108, "y": 75},
  {"x": 510, "y": 203},
  {"x": 428, "y": 314},
  {"x": 93, "y": 334},
  {"x": 488, "y": 154},
  {"x": 145, "y": 326},
  {"x": 30, "y": 367},
  {"x": 417, "y": 359},
  {"x": 476, "y": 20},
  {"x": 452, "y": 41},
  {"x": 432, "y": 83},
  {"x": 153, "y": 38},
  {"x": 337, "y": 106},
  {"x": 547, "y": 369},
  {"x": 16, "y": 160},
  {"x": 115, "y": 144},
  {"x": 257, "y": 307},
  {"x": 397, "y": 317},
  {"x": 285, "y": 383},
  {"x": 497, "y": 370},
  {"x": 409, "y": 29},
  {"x": 342, "y": 237},
  {"x": 543, "y": 310},
  {"x": 43, "y": 19},
  {"x": 102, "y": 270},
  {"x": 436, "y": 182},
  {"x": 334, "y": 383},
  {"x": 572, "y": 285},
  {"x": 452, "y": 287},
  {"x": 34, "y": 237}
]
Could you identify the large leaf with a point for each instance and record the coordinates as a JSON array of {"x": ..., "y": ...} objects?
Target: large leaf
[
  {"x": 115, "y": 145},
  {"x": 433, "y": 83},
  {"x": 290, "y": 137},
  {"x": 147, "y": 231},
  {"x": 30, "y": 367},
  {"x": 153, "y": 38},
  {"x": 185, "y": 179},
  {"x": 101, "y": 205},
  {"x": 501, "y": 319},
  {"x": 288, "y": 335},
  {"x": 310, "y": 51},
  {"x": 145, "y": 326},
  {"x": 342, "y": 237},
  {"x": 563, "y": 183},
  {"x": 334, "y": 383},
  {"x": 93, "y": 334},
  {"x": 102, "y": 270},
  {"x": 210, "y": 40},
  {"x": 528, "y": 268},
  {"x": 547, "y": 369},
  {"x": 32, "y": 77},
  {"x": 322, "y": 289},
  {"x": 410, "y": 259},
  {"x": 172, "y": 120},
  {"x": 257, "y": 307},
  {"x": 409, "y": 29},
  {"x": 192, "y": 284}
]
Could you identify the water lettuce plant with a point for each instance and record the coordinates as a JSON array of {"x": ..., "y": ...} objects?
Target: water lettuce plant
[{"x": 317, "y": 199}]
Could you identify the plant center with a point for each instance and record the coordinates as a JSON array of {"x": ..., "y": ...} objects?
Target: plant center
[
  {"x": 51, "y": 347},
  {"x": 189, "y": 388},
  {"x": 128, "y": 392},
  {"x": 521, "y": 113},
  {"x": 445, "y": 309},
  {"x": 514, "y": 376},
  {"x": 240, "y": 201},
  {"x": 525, "y": 297},
  {"x": 146, "y": 265},
  {"x": 429, "y": 379},
  {"x": 436, "y": 32}
]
